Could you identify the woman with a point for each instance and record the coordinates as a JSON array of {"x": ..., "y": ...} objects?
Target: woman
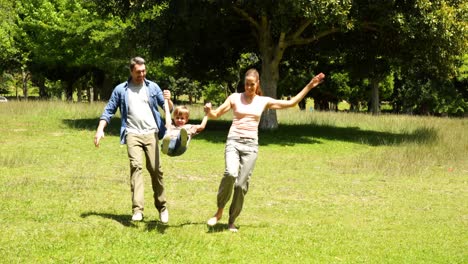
[{"x": 242, "y": 141}]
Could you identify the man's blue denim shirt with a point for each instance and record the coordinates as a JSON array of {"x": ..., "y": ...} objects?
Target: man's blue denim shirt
[{"x": 119, "y": 99}]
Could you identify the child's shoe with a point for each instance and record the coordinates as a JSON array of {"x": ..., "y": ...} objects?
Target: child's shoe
[
  {"x": 165, "y": 144},
  {"x": 183, "y": 138}
]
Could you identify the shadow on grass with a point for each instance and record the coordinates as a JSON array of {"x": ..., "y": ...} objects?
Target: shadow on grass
[
  {"x": 122, "y": 219},
  {"x": 156, "y": 225},
  {"x": 161, "y": 228},
  {"x": 288, "y": 135},
  {"x": 125, "y": 220},
  {"x": 152, "y": 225},
  {"x": 112, "y": 129},
  {"x": 218, "y": 228}
]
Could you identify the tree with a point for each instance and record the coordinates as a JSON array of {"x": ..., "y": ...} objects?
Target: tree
[
  {"x": 8, "y": 31},
  {"x": 184, "y": 86},
  {"x": 395, "y": 36},
  {"x": 6, "y": 82},
  {"x": 66, "y": 39},
  {"x": 208, "y": 36},
  {"x": 356, "y": 40},
  {"x": 428, "y": 78},
  {"x": 278, "y": 25}
]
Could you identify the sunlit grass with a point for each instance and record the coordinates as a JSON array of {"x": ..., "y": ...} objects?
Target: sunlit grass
[{"x": 328, "y": 188}]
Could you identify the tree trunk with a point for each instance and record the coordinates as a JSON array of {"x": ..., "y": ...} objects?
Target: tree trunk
[
  {"x": 375, "y": 102},
  {"x": 302, "y": 104},
  {"x": 40, "y": 82},
  {"x": 90, "y": 93},
  {"x": 79, "y": 93},
  {"x": 24, "y": 79},
  {"x": 68, "y": 90},
  {"x": 107, "y": 88},
  {"x": 271, "y": 55},
  {"x": 269, "y": 81}
]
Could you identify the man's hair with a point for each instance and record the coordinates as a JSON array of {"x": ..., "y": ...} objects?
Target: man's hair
[
  {"x": 181, "y": 110},
  {"x": 135, "y": 61}
]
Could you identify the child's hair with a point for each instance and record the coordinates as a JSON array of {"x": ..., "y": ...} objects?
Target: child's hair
[{"x": 181, "y": 110}]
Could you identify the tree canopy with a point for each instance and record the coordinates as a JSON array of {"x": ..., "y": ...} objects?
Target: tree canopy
[{"x": 411, "y": 52}]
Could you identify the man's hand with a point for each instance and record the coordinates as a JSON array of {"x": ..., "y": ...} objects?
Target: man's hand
[
  {"x": 167, "y": 95},
  {"x": 97, "y": 138}
]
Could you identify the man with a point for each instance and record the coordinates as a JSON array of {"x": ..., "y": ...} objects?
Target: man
[{"x": 141, "y": 129}]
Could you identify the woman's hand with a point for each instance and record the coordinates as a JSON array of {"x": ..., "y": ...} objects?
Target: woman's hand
[
  {"x": 207, "y": 108},
  {"x": 221, "y": 110},
  {"x": 318, "y": 79}
]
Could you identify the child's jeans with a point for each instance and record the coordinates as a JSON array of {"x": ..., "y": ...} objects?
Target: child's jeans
[{"x": 175, "y": 148}]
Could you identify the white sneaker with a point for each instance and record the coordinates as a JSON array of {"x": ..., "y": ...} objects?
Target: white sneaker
[
  {"x": 164, "y": 216},
  {"x": 212, "y": 221},
  {"x": 232, "y": 228},
  {"x": 183, "y": 137},
  {"x": 138, "y": 216},
  {"x": 165, "y": 144}
]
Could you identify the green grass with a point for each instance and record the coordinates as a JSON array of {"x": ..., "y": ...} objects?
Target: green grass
[{"x": 327, "y": 188}]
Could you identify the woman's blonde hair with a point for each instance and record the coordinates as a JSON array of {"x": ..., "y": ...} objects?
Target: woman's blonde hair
[{"x": 253, "y": 72}]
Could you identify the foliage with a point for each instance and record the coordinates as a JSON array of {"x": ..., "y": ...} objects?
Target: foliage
[
  {"x": 56, "y": 32},
  {"x": 209, "y": 36},
  {"x": 8, "y": 31},
  {"x": 428, "y": 85},
  {"x": 161, "y": 70},
  {"x": 184, "y": 86},
  {"x": 429, "y": 96},
  {"x": 212, "y": 93},
  {"x": 81, "y": 43},
  {"x": 462, "y": 71},
  {"x": 7, "y": 81}
]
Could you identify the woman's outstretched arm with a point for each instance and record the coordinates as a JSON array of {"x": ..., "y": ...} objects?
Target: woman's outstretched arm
[
  {"x": 221, "y": 110},
  {"x": 280, "y": 104}
]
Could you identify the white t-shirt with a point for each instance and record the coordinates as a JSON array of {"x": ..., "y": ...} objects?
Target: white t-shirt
[
  {"x": 246, "y": 115},
  {"x": 140, "y": 119}
]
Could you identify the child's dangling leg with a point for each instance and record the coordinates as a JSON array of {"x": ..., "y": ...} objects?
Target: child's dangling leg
[
  {"x": 183, "y": 138},
  {"x": 178, "y": 146},
  {"x": 165, "y": 144}
]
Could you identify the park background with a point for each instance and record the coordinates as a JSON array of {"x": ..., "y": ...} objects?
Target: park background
[
  {"x": 397, "y": 56},
  {"x": 370, "y": 168}
]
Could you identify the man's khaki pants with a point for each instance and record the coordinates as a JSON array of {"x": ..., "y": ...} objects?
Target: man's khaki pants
[{"x": 149, "y": 145}]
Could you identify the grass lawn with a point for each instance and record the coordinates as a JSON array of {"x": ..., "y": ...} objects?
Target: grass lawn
[{"x": 327, "y": 188}]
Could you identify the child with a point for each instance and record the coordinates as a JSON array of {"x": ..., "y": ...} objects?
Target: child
[{"x": 178, "y": 135}]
